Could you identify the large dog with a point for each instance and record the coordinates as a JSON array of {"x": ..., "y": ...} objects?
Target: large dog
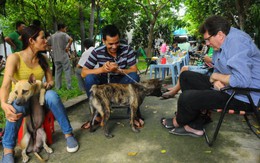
[
  {"x": 103, "y": 96},
  {"x": 34, "y": 136}
]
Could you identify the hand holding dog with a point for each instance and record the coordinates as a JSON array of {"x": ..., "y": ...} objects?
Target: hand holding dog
[
  {"x": 10, "y": 112},
  {"x": 48, "y": 85}
]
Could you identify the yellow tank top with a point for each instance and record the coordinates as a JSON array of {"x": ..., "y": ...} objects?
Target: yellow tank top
[{"x": 24, "y": 72}]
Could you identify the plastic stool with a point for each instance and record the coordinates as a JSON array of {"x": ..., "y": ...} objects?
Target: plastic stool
[{"x": 48, "y": 126}]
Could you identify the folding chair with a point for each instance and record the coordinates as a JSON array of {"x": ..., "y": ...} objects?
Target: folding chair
[
  {"x": 254, "y": 110},
  {"x": 148, "y": 60}
]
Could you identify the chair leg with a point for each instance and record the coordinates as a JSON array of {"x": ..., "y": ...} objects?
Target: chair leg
[
  {"x": 147, "y": 68},
  {"x": 210, "y": 142},
  {"x": 250, "y": 126}
]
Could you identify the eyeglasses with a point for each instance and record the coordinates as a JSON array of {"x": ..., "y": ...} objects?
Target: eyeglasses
[{"x": 207, "y": 39}]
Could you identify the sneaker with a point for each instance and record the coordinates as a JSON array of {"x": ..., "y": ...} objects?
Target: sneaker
[
  {"x": 8, "y": 158},
  {"x": 72, "y": 144}
]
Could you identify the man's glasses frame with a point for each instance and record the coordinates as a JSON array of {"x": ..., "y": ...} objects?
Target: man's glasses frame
[{"x": 207, "y": 39}]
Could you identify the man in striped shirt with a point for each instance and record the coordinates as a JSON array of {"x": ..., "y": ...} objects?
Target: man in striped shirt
[{"x": 117, "y": 62}]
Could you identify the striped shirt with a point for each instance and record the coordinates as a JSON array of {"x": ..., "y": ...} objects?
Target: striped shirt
[{"x": 126, "y": 57}]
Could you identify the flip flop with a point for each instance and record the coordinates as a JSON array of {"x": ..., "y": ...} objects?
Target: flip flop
[
  {"x": 166, "y": 96},
  {"x": 86, "y": 125},
  {"x": 182, "y": 132},
  {"x": 168, "y": 123}
]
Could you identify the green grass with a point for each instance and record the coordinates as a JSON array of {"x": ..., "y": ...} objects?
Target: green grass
[{"x": 67, "y": 94}]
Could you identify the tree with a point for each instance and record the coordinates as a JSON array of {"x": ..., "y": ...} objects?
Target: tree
[
  {"x": 242, "y": 14},
  {"x": 152, "y": 9}
]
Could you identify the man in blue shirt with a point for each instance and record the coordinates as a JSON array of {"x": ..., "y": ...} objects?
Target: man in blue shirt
[{"x": 236, "y": 63}]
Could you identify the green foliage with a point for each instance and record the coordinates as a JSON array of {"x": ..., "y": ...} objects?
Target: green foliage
[
  {"x": 242, "y": 14},
  {"x": 66, "y": 94}
]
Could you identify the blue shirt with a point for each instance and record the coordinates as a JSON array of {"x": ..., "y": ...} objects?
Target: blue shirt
[
  {"x": 240, "y": 58},
  {"x": 126, "y": 57}
]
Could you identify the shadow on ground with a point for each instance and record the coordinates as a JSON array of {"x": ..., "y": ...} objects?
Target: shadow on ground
[{"x": 153, "y": 144}]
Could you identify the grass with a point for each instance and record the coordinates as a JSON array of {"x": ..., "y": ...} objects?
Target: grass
[{"x": 67, "y": 94}]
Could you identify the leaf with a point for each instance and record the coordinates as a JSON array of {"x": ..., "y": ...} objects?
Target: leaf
[
  {"x": 208, "y": 152},
  {"x": 132, "y": 153}
]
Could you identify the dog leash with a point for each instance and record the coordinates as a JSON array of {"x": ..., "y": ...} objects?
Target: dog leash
[{"x": 121, "y": 70}]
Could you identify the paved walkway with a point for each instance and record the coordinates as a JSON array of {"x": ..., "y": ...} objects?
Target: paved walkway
[{"x": 153, "y": 144}]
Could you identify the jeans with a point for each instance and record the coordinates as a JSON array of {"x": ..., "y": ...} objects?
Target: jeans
[
  {"x": 198, "y": 69},
  {"x": 52, "y": 102},
  {"x": 92, "y": 79}
]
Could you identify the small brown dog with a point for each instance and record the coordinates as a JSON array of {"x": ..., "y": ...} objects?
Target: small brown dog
[
  {"x": 34, "y": 136},
  {"x": 103, "y": 96}
]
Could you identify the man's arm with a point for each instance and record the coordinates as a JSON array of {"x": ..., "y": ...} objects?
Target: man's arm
[
  {"x": 127, "y": 71},
  {"x": 69, "y": 44},
  {"x": 10, "y": 42}
]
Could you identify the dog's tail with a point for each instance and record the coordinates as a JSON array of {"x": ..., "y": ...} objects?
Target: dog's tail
[
  {"x": 40, "y": 158},
  {"x": 93, "y": 89}
]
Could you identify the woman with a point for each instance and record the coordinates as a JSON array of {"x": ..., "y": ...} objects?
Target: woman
[{"x": 20, "y": 65}]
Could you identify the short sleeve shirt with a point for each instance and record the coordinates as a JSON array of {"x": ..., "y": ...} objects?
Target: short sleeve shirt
[
  {"x": 126, "y": 57},
  {"x": 18, "y": 43}
]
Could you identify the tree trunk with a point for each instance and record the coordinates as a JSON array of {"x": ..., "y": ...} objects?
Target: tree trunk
[
  {"x": 241, "y": 14},
  {"x": 53, "y": 16},
  {"x": 92, "y": 19},
  {"x": 150, "y": 37},
  {"x": 82, "y": 27}
]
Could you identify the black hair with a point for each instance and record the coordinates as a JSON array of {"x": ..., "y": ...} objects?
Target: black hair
[
  {"x": 110, "y": 30},
  {"x": 33, "y": 31},
  {"x": 88, "y": 43},
  {"x": 18, "y": 24},
  {"x": 36, "y": 23},
  {"x": 214, "y": 24},
  {"x": 61, "y": 26}
]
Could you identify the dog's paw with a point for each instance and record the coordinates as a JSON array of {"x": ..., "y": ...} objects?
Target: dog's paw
[
  {"x": 48, "y": 150},
  {"x": 109, "y": 135},
  {"x": 135, "y": 130},
  {"x": 41, "y": 102},
  {"x": 25, "y": 158}
]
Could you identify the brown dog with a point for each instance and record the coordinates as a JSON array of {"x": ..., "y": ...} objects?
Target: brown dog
[
  {"x": 34, "y": 136},
  {"x": 103, "y": 96}
]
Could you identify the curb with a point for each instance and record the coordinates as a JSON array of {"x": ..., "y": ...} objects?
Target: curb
[{"x": 74, "y": 101}]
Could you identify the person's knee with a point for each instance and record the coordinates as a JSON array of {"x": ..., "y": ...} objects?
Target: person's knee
[
  {"x": 91, "y": 79},
  {"x": 184, "y": 74},
  {"x": 134, "y": 76},
  {"x": 51, "y": 95},
  {"x": 184, "y": 68}
]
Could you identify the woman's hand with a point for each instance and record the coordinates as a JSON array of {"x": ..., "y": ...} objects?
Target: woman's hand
[
  {"x": 10, "y": 112},
  {"x": 48, "y": 85}
]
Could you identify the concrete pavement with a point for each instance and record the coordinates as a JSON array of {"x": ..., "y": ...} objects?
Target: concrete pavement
[{"x": 235, "y": 142}]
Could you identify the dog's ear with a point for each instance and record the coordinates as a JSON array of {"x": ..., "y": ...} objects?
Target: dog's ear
[
  {"x": 32, "y": 79},
  {"x": 13, "y": 80}
]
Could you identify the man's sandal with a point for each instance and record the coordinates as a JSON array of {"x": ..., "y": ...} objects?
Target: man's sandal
[{"x": 167, "y": 123}]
